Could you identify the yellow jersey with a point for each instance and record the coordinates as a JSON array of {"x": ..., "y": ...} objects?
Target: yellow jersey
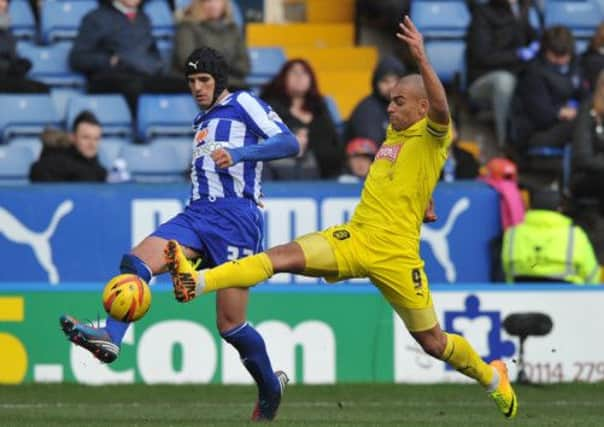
[{"x": 400, "y": 184}]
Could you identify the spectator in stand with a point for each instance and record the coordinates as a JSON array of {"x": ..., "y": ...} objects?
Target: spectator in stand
[
  {"x": 359, "y": 157},
  {"x": 13, "y": 69},
  {"x": 547, "y": 247},
  {"x": 548, "y": 93},
  {"x": 592, "y": 60},
  {"x": 210, "y": 23},
  {"x": 117, "y": 52},
  {"x": 461, "y": 164},
  {"x": 295, "y": 96},
  {"x": 500, "y": 41},
  {"x": 71, "y": 157},
  {"x": 369, "y": 118},
  {"x": 588, "y": 147},
  {"x": 302, "y": 167}
]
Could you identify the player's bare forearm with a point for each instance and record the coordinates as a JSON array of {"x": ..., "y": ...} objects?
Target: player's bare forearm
[{"x": 439, "y": 108}]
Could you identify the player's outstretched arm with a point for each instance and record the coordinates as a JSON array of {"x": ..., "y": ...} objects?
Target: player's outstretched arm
[
  {"x": 276, "y": 147},
  {"x": 439, "y": 108}
]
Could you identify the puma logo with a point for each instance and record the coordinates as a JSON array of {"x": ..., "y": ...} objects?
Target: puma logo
[
  {"x": 16, "y": 232},
  {"x": 437, "y": 239},
  {"x": 193, "y": 64}
]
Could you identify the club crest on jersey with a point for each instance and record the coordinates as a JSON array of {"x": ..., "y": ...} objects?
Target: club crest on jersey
[
  {"x": 200, "y": 137},
  {"x": 389, "y": 152}
]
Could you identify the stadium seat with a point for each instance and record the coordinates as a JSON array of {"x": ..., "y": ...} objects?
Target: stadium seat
[
  {"x": 300, "y": 34},
  {"x": 61, "y": 96},
  {"x": 441, "y": 19},
  {"x": 162, "y": 22},
  {"x": 266, "y": 63},
  {"x": 182, "y": 146},
  {"x": 165, "y": 115},
  {"x": 61, "y": 20},
  {"x": 581, "y": 16},
  {"x": 22, "y": 23},
  {"x": 153, "y": 163},
  {"x": 448, "y": 59},
  {"x": 336, "y": 58},
  {"x": 111, "y": 110},
  {"x": 33, "y": 143},
  {"x": 111, "y": 149},
  {"x": 50, "y": 64},
  {"x": 237, "y": 14},
  {"x": 15, "y": 161},
  {"x": 26, "y": 115},
  {"x": 330, "y": 11},
  {"x": 166, "y": 50},
  {"x": 347, "y": 88}
]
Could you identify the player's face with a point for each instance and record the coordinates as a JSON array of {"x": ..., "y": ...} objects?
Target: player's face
[
  {"x": 86, "y": 139},
  {"x": 133, "y": 4},
  {"x": 406, "y": 107},
  {"x": 202, "y": 87}
]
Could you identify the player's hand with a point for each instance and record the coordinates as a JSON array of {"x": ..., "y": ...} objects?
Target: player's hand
[
  {"x": 222, "y": 158},
  {"x": 430, "y": 215},
  {"x": 414, "y": 39}
]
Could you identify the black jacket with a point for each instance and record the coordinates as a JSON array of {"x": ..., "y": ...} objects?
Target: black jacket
[
  {"x": 323, "y": 140},
  {"x": 588, "y": 143},
  {"x": 369, "y": 118},
  {"x": 105, "y": 32},
  {"x": 58, "y": 164},
  {"x": 11, "y": 65},
  {"x": 539, "y": 95},
  {"x": 493, "y": 38},
  {"x": 592, "y": 62}
]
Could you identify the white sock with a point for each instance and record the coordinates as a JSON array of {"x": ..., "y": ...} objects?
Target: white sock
[
  {"x": 201, "y": 282},
  {"x": 494, "y": 382}
]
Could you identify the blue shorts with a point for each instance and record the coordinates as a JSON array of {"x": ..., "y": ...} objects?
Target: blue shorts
[{"x": 222, "y": 230}]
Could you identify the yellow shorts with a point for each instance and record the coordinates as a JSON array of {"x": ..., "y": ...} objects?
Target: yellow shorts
[{"x": 345, "y": 251}]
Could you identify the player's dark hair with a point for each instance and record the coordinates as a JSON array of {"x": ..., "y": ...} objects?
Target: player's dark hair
[
  {"x": 208, "y": 60},
  {"x": 85, "y": 117}
]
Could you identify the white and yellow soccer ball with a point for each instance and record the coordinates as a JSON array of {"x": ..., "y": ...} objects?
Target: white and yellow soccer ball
[{"x": 126, "y": 297}]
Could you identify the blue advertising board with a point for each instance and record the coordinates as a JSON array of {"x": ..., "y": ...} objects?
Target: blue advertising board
[{"x": 74, "y": 233}]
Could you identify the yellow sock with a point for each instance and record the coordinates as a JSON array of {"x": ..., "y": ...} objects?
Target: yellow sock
[
  {"x": 242, "y": 273},
  {"x": 460, "y": 354}
]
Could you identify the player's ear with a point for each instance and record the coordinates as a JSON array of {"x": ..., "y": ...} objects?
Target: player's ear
[{"x": 424, "y": 105}]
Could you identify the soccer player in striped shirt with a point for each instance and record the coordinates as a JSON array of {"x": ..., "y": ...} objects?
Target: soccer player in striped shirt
[{"x": 234, "y": 133}]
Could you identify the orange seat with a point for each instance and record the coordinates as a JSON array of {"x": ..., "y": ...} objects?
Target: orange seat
[
  {"x": 336, "y": 58},
  {"x": 346, "y": 87},
  {"x": 330, "y": 11},
  {"x": 303, "y": 34}
]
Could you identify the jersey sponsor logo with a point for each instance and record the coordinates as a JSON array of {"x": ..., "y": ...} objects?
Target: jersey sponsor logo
[
  {"x": 39, "y": 241},
  {"x": 389, "y": 152},
  {"x": 200, "y": 137}
]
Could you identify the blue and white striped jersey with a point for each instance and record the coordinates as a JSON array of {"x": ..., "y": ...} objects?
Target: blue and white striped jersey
[{"x": 241, "y": 119}]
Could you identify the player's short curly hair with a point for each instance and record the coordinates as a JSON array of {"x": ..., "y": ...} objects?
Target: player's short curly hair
[{"x": 208, "y": 60}]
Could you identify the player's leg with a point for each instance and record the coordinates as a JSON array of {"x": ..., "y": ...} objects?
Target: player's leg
[
  {"x": 231, "y": 307},
  {"x": 406, "y": 289},
  {"x": 145, "y": 260}
]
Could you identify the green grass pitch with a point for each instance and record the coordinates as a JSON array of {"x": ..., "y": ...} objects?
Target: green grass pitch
[{"x": 342, "y": 405}]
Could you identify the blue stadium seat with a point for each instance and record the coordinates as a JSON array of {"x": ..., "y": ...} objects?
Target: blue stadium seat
[
  {"x": 166, "y": 49},
  {"x": 237, "y": 14},
  {"x": 22, "y": 23},
  {"x": 581, "y": 16},
  {"x": 153, "y": 163},
  {"x": 162, "y": 22},
  {"x": 165, "y": 115},
  {"x": 440, "y": 18},
  {"x": 33, "y": 143},
  {"x": 111, "y": 149},
  {"x": 50, "y": 64},
  {"x": 15, "y": 161},
  {"x": 111, "y": 110},
  {"x": 182, "y": 146},
  {"x": 266, "y": 63},
  {"x": 61, "y": 96},
  {"x": 448, "y": 59},
  {"x": 61, "y": 20},
  {"x": 26, "y": 115}
]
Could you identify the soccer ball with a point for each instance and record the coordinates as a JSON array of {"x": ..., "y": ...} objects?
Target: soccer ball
[{"x": 126, "y": 297}]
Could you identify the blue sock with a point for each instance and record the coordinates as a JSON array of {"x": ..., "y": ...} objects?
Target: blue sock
[
  {"x": 133, "y": 265},
  {"x": 252, "y": 350}
]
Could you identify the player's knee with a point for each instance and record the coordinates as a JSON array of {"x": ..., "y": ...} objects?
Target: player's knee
[
  {"x": 226, "y": 321},
  {"x": 288, "y": 258}
]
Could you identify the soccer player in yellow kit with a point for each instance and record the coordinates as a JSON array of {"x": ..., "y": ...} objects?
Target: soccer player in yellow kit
[{"x": 381, "y": 241}]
